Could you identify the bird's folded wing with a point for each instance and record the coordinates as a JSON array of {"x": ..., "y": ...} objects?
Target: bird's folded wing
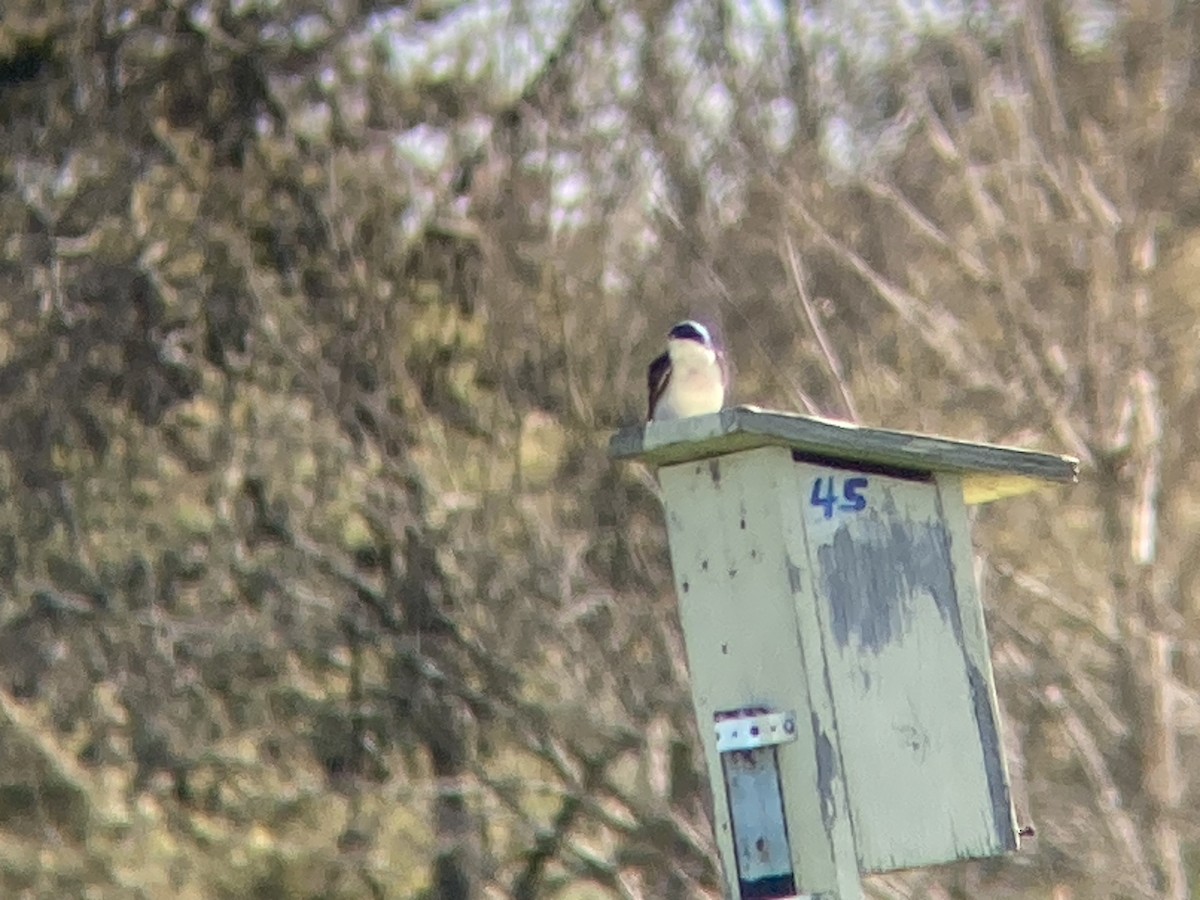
[{"x": 657, "y": 379}]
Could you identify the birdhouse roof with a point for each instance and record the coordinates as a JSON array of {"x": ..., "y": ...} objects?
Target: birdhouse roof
[{"x": 989, "y": 471}]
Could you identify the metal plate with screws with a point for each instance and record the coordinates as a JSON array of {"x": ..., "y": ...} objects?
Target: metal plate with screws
[{"x": 749, "y": 732}]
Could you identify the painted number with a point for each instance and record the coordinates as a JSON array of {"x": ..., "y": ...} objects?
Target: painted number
[{"x": 825, "y": 495}]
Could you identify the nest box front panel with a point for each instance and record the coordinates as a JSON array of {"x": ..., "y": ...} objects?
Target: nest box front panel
[
  {"x": 907, "y": 664},
  {"x": 746, "y": 634}
]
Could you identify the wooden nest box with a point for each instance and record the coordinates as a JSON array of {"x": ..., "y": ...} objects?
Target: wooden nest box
[{"x": 836, "y": 641}]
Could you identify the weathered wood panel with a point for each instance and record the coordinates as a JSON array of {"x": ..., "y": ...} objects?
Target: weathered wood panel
[
  {"x": 906, "y": 659},
  {"x": 989, "y": 471},
  {"x": 828, "y": 570},
  {"x": 753, "y": 641}
]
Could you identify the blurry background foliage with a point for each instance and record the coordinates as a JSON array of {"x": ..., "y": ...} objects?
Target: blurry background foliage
[{"x": 315, "y": 579}]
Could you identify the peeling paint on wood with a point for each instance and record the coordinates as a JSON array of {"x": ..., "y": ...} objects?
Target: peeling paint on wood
[
  {"x": 872, "y": 576},
  {"x": 848, "y": 596},
  {"x": 744, "y": 648},
  {"x": 918, "y": 739},
  {"x": 826, "y": 771},
  {"x": 997, "y": 778}
]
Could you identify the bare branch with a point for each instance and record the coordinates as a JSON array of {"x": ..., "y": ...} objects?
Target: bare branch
[
  {"x": 968, "y": 263},
  {"x": 1149, "y": 414},
  {"x": 938, "y": 329},
  {"x": 814, "y": 322},
  {"x": 1122, "y": 829}
]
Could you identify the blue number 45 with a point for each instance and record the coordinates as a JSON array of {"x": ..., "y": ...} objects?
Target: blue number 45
[{"x": 824, "y": 495}]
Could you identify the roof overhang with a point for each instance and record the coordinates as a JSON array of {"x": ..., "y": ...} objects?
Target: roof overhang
[{"x": 989, "y": 471}]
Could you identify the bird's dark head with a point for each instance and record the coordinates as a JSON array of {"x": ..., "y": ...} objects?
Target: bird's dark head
[{"x": 690, "y": 331}]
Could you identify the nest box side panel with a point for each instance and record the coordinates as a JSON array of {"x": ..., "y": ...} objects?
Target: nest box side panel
[
  {"x": 915, "y": 714},
  {"x": 952, "y": 497},
  {"x": 747, "y": 647}
]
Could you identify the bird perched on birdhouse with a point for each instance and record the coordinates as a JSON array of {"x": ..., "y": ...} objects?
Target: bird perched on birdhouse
[{"x": 689, "y": 378}]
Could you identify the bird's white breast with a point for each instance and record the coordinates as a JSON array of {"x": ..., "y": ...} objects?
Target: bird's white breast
[{"x": 697, "y": 384}]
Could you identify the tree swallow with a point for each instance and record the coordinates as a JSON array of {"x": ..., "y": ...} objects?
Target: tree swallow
[{"x": 689, "y": 379}]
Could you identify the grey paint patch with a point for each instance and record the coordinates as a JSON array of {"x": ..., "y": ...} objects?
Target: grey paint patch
[
  {"x": 914, "y": 737},
  {"x": 827, "y": 771},
  {"x": 874, "y": 575},
  {"x": 760, "y": 835},
  {"x": 889, "y": 504},
  {"x": 794, "y": 574},
  {"x": 993, "y": 763},
  {"x": 714, "y": 470}
]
